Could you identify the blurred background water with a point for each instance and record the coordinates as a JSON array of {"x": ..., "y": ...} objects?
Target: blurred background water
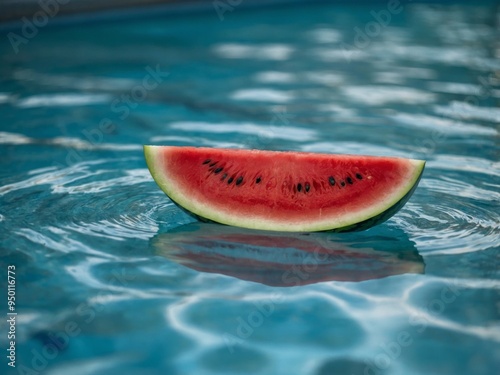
[{"x": 112, "y": 278}]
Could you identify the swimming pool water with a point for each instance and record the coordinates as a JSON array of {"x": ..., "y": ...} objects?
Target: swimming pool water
[{"x": 112, "y": 278}]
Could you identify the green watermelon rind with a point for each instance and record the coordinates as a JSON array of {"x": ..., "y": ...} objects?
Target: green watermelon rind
[{"x": 366, "y": 221}]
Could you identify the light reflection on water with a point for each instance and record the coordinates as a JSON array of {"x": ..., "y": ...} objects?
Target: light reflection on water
[{"x": 88, "y": 230}]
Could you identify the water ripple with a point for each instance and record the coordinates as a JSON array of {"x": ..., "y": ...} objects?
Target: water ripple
[
  {"x": 380, "y": 95},
  {"x": 63, "y": 99},
  {"x": 65, "y": 142},
  {"x": 288, "y": 133},
  {"x": 262, "y": 95},
  {"x": 433, "y": 123},
  {"x": 464, "y": 110},
  {"x": 274, "y": 77},
  {"x": 261, "y": 52}
]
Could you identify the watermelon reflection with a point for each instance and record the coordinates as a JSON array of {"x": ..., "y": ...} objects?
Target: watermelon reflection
[{"x": 287, "y": 259}]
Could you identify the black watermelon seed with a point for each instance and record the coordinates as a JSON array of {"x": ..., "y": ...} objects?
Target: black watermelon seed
[
  {"x": 342, "y": 183},
  {"x": 349, "y": 180},
  {"x": 299, "y": 187},
  {"x": 218, "y": 170},
  {"x": 239, "y": 180},
  {"x": 258, "y": 180},
  {"x": 230, "y": 180},
  {"x": 307, "y": 187},
  {"x": 358, "y": 176},
  {"x": 211, "y": 165},
  {"x": 206, "y": 161},
  {"x": 223, "y": 177},
  {"x": 331, "y": 180}
]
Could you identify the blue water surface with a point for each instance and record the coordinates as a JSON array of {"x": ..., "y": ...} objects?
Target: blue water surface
[{"x": 113, "y": 278}]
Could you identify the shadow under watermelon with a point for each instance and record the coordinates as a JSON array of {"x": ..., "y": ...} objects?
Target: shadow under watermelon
[{"x": 290, "y": 259}]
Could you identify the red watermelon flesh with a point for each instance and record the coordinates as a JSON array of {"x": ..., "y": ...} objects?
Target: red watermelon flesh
[{"x": 284, "y": 191}]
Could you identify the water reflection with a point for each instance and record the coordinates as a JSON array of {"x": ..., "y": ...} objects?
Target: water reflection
[{"x": 284, "y": 259}]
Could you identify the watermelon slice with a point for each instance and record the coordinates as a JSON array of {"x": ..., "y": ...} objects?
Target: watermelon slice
[{"x": 284, "y": 191}]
